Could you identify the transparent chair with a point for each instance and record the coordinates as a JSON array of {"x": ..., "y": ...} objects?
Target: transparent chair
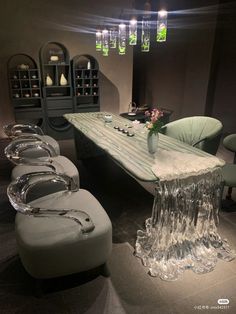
[
  {"x": 60, "y": 233},
  {"x": 198, "y": 131},
  {"x": 48, "y": 160},
  {"x": 15, "y": 130}
]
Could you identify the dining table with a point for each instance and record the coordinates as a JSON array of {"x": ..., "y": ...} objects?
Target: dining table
[{"x": 182, "y": 230}]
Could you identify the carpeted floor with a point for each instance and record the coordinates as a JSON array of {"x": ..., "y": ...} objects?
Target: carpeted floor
[{"x": 129, "y": 288}]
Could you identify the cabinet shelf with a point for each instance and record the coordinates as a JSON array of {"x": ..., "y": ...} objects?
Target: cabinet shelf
[
  {"x": 58, "y": 97},
  {"x": 56, "y": 64},
  {"x": 85, "y": 83},
  {"x": 23, "y": 85},
  {"x": 57, "y": 86}
]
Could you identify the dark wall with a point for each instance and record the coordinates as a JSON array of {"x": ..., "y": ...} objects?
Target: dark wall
[
  {"x": 175, "y": 74},
  {"x": 222, "y": 92},
  {"x": 26, "y": 25}
]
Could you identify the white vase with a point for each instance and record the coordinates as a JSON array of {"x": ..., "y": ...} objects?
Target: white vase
[
  {"x": 49, "y": 81},
  {"x": 152, "y": 142},
  {"x": 63, "y": 80}
]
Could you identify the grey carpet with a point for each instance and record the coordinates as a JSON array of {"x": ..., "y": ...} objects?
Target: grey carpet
[{"x": 94, "y": 295}]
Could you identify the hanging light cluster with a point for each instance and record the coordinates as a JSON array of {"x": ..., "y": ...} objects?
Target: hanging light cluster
[{"x": 127, "y": 33}]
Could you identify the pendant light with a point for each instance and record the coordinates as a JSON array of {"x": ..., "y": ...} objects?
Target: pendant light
[
  {"x": 161, "y": 26},
  {"x": 98, "y": 40},
  {"x": 146, "y": 28},
  {"x": 105, "y": 42},
  {"x": 122, "y": 39},
  {"x": 133, "y": 31}
]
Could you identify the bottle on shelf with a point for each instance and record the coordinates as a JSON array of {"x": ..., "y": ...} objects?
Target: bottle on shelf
[{"x": 49, "y": 81}]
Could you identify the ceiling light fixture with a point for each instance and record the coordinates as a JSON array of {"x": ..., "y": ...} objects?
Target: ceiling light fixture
[{"x": 127, "y": 32}]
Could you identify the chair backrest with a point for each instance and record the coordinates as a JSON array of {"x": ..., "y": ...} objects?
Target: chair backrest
[
  {"x": 17, "y": 129},
  {"x": 18, "y": 191},
  {"x": 229, "y": 142},
  {"x": 198, "y": 131},
  {"x": 21, "y": 150}
]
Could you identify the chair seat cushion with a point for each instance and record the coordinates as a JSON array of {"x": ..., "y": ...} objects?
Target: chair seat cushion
[
  {"x": 67, "y": 168},
  {"x": 229, "y": 174},
  {"x": 55, "y": 246}
]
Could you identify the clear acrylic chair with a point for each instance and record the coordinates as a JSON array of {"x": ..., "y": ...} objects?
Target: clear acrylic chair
[
  {"x": 46, "y": 159},
  {"x": 60, "y": 233},
  {"x": 15, "y": 130}
]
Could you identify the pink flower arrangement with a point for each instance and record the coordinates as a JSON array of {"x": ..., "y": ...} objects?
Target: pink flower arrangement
[{"x": 154, "y": 124}]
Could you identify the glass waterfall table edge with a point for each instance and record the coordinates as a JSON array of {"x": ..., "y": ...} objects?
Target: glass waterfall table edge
[{"x": 182, "y": 231}]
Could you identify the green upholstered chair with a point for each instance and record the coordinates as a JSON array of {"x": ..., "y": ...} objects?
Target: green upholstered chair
[
  {"x": 229, "y": 170},
  {"x": 42, "y": 157},
  {"x": 15, "y": 130},
  {"x": 60, "y": 233},
  {"x": 198, "y": 131}
]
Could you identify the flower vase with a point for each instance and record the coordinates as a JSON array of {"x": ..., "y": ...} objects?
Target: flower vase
[
  {"x": 49, "y": 81},
  {"x": 152, "y": 142},
  {"x": 63, "y": 80}
]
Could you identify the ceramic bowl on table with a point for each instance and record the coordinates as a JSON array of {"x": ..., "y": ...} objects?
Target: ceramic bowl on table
[{"x": 108, "y": 118}]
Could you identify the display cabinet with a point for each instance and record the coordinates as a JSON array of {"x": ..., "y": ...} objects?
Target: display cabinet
[
  {"x": 85, "y": 74},
  {"x": 25, "y": 89},
  {"x": 57, "y": 88},
  {"x": 60, "y": 86}
]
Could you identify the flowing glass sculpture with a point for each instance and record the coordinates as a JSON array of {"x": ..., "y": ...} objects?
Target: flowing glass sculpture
[
  {"x": 161, "y": 26},
  {"x": 122, "y": 39},
  {"x": 98, "y": 41},
  {"x": 133, "y": 31},
  {"x": 182, "y": 232},
  {"x": 105, "y": 42}
]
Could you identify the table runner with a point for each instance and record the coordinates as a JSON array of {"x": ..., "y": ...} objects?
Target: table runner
[{"x": 182, "y": 231}]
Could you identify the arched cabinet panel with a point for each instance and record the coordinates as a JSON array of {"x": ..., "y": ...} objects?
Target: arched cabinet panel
[
  {"x": 85, "y": 83},
  {"x": 25, "y": 89},
  {"x": 57, "y": 88}
]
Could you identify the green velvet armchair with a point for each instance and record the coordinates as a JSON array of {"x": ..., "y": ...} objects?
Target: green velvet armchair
[
  {"x": 229, "y": 170},
  {"x": 198, "y": 131}
]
